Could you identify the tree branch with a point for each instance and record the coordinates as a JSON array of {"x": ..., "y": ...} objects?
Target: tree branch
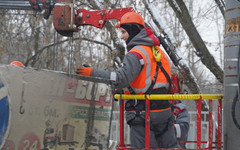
[
  {"x": 112, "y": 31},
  {"x": 220, "y": 4},
  {"x": 189, "y": 77},
  {"x": 38, "y": 53},
  {"x": 185, "y": 19}
]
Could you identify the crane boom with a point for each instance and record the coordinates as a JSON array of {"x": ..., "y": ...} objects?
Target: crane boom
[
  {"x": 37, "y": 5},
  {"x": 67, "y": 18},
  {"x": 17, "y": 5}
]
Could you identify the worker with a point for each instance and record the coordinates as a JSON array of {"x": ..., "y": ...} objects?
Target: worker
[
  {"x": 17, "y": 63},
  {"x": 137, "y": 76},
  {"x": 181, "y": 123}
]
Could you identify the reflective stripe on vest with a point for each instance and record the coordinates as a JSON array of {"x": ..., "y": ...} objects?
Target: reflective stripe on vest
[{"x": 138, "y": 85}]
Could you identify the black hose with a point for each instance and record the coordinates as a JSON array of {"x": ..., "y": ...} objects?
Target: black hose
[
  {"x": 172, "y": 55},
  {"x": 234, "y": 111},
  {"x": 236, "y": 96}
]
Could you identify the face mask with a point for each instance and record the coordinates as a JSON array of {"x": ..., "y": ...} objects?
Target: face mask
[{"x": 132, "y": 29}]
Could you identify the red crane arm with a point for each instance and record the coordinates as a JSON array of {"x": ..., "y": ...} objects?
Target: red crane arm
[
  {"x": 99, "y": 18},
  {"x": 67, "y": 19}
]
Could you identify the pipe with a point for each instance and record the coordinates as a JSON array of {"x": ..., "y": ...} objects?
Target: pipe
[{"x": 16, "y": 5}]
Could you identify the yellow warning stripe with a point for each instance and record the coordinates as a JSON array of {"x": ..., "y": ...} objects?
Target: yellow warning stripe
[{"x": 171, "y": 97}]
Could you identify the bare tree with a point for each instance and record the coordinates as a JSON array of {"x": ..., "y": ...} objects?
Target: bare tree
[
  {"x": 34, "y": 41},
  {"x": 207, "y": 59},
  {"x": 189, "y": 77}
]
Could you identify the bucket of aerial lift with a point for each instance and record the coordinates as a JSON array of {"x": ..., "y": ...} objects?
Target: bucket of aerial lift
[{"x": 47, "y": 110}]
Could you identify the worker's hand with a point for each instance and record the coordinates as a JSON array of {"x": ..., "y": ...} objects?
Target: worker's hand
[{"x": 85, "y": 71}]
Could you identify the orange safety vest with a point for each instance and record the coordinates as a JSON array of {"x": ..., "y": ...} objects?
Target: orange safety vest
[{"x": 143, "y": 81}]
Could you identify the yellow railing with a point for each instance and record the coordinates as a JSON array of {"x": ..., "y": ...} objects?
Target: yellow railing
[
  {"x": 169, "y": 96},
  {"x": 197, "y": 97}
]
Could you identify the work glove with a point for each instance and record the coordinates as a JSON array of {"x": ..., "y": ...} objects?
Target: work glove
[{"x": 86, "y": 70}]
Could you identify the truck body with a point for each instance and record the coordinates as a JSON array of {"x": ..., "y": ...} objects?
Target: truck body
[{"x": 47, "y": 110}]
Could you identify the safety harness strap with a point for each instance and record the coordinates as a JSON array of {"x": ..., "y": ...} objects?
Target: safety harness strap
[
  {"x": 159, "y": 64},
  {"x": 153, "y": 81}
]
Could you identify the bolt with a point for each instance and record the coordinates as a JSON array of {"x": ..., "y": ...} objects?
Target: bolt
[
  {"x": 102, "y": 14},
  {"x": 80, "y": 15},
  {"x": 75, "y": 11},
  {"x": 88, "y": 16},
  {"x": 100, "y": 21}
]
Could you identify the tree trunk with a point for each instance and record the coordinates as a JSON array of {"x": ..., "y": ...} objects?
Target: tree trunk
[{"x": 207, "y": 59}]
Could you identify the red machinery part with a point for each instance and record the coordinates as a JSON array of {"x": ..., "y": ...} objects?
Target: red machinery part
[
  {"x": 98, "y": 18},
  {"x": 67, "y": 19},
  {"x": 175, "y": 84},
  {"x": 64, "y": 20},
  {"x": 34, "y": 4}
]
